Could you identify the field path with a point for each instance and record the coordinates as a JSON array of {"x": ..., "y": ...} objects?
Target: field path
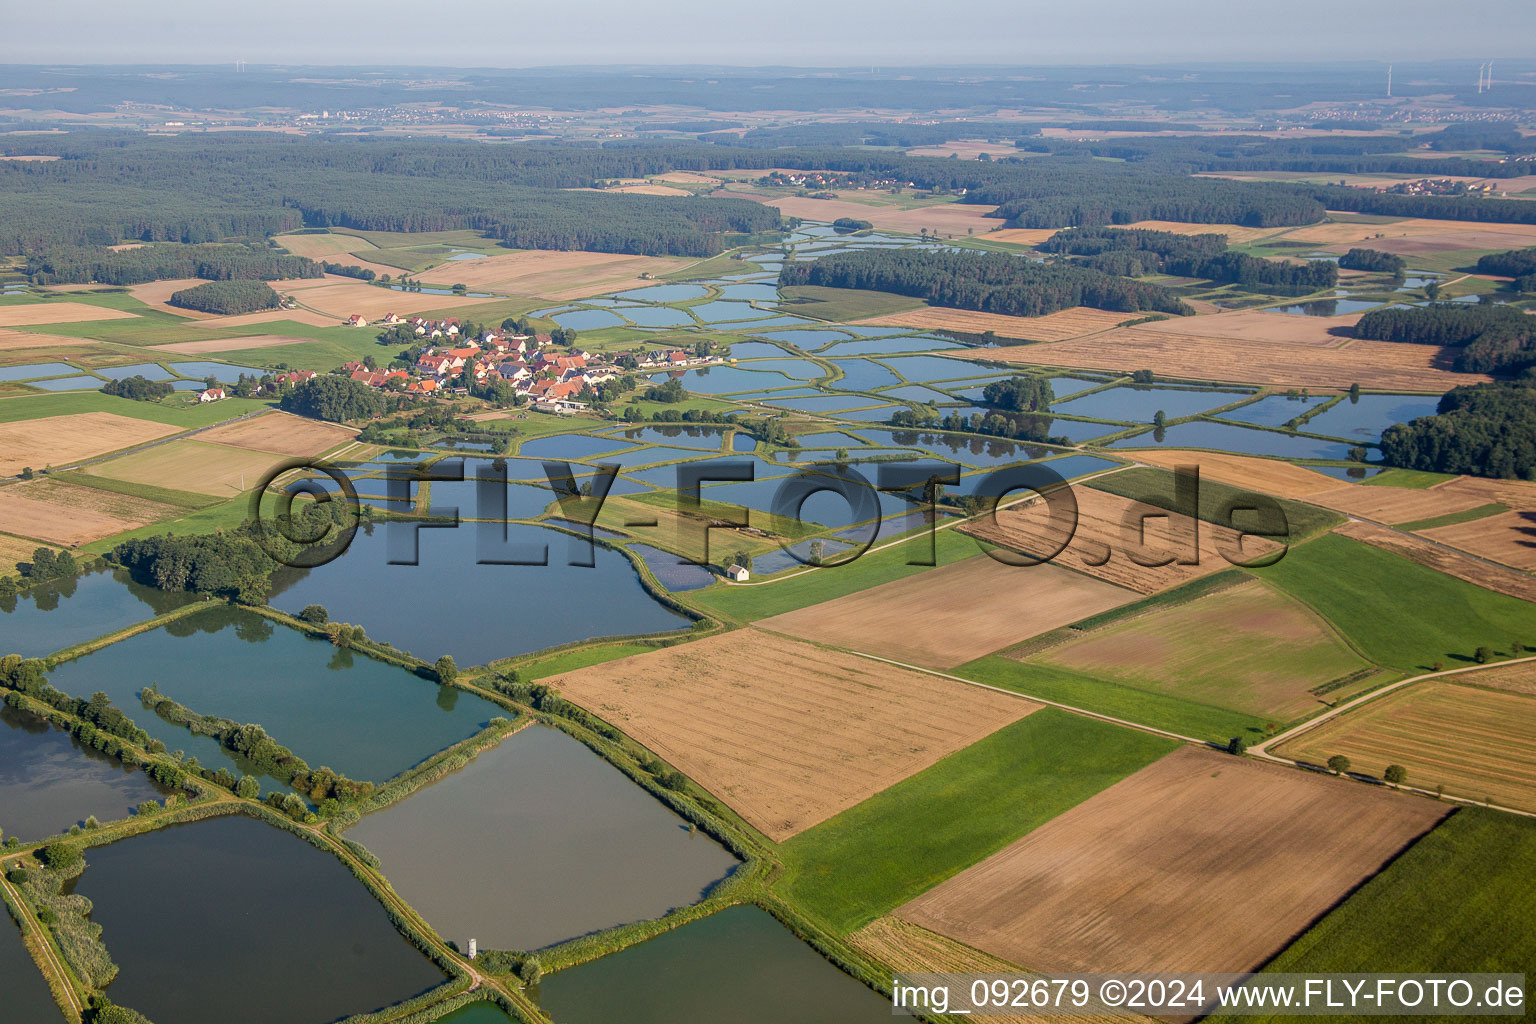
[
  {"x": 1262, "y": 749},
  {"x": 58, "y": 978}
]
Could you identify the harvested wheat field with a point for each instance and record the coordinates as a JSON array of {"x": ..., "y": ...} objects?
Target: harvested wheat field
[
  {"x": 688, "y": 178},
  {"x": 60, "y": 440},
  {"x": 945, "y": 218},
  {"x": 786, "y": 733},
  {"x": 1066, "y": 323},
  {"x": 197, "y": 348},
  {"x": 191, "y": 466},
  {"x": 1477, "y": 743},
  {"x": 1508, "y": 538},
  {"x": 649, "y": 189},
  {"x": 966, "y": 149},
  {"x": 280, "y": 433},
  {"x": 320, "y": 245},
  {"x": 16, "y": 340},
  {"x": 1237, "y": 234},
  {"x": 945, "y": 617},
  {"x": 1257, "y": 325},
  {"x": 1265, "y": 476},
  {"x": 63, "y": 513},
  {"x": 340, "y": 297},
  {"x": 1387, "y": 504},
  {"x": 1442, "y": 559},
  {"x": 1379, "y": 365},
  {"x": 28, "y": 313},
  {"x": 1108, "y": 532},
  {"x": 908, "y": 949},
  {"x": 1519, "y": 677},
  {"x": 1248, "y": 648},
  {"x": 1199, "y": 862},
  {"x": 1519, "y": 494},
  {"x": 554, "y": 275},
  {"x": 1021, "y": 236},
  {"x": 1412, "y": 236},
  {"x": 16, "y": 549}
]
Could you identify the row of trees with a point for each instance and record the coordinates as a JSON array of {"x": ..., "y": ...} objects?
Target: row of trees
[
  {"x": 1482, "y": 430},
  {"x": 227, "y": 298},
  {"x": 989, "y": 282}
]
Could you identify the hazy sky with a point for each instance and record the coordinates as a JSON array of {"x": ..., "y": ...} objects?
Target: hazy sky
[{"x": 525, "y": 33}]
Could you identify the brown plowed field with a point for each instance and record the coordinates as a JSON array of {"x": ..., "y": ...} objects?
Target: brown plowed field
[
  {"x": 948, "y": 616},
  {"x": 908, "y": 949},
  {"x": 1476, "y": 743},
  {"x": 280, "y": 434},
  {"x": 1067, "y": 323},
  {"x": 1508, "y": 538},
  {"x": 1265, "y": 476},
  {"x": 1382, "y": 365},
  {"x": 1102, "y": 543},
  {"x": 1463, "y": 567},
  {"x": 63, "y": 513},
  {"x": 60, "y": 440},
  {"x": 787, "y": 733},
  {"x": 1199, "y": 862},
  {"x": 554, "y": 275},
  {"x": 28, "y": 313}
]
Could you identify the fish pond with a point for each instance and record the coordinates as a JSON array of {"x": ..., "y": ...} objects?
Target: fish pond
[
  {"x": 462, "y": 591},
  {"x": 268, "y": 906},
  {"x": 52, "y": 616},
  {"x": 549, "y": 842},
  {"x": 49, "y": 780},
  {"x": 740, "y": 965}
]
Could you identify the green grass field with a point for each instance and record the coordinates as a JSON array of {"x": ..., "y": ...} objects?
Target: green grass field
[
  {"x": 1145, "y": 707},
  {"x": 583, "y": 657},
  {"x": 843, "y": 304},
  {"x": 744, "y": 604},
  {"x": 877, "y": 855},
  {"x": 1418, "y": 479},
  {"x": 31, "y": 407},
  {"x": 1396, "y": 612},
  {"x": 1155, "y": 487},
  {"x": 1458, "y": 900}
]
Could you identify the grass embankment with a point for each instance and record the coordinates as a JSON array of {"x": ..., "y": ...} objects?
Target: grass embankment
[
  {"x": 874, "y": 857},
  {"x": 1437, "y": 908},
  {"x": 1396, "y": 612},
  {"x": 1155, "y": 487},
  {"x": 746, "y": 603}
]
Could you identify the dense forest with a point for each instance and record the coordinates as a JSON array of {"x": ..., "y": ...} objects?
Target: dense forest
[
  {"x": 1370, "y": 259},
  {"x": 1135, "y": 251},
  {"x": 1493, "y": 339},
  {"x": 227, "y": 298},
  {"x": 110, "y": 186},
  {"x": 1483, "y": 430},
  {"x": 988, "y": 282},
  {"x": 164, "y": 262},
  {"x": 1516, "y": 263},
  {"x": 139, "y": 388}
]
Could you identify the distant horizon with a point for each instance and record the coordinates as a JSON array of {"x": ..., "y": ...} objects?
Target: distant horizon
[{"x": 895, "y": 33}]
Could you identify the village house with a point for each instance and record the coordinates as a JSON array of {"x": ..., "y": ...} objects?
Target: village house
[
  {"x": 211, "y": 395},
  {"x": 356, "y": 320},
  {"x": 737, "y": 574}
]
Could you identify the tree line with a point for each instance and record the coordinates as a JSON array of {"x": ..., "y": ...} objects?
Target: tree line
[
  {"x": 1372, "y": 260},
  {"x": 82, "y": 264},
  {"x": 987, "y": 282}
]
